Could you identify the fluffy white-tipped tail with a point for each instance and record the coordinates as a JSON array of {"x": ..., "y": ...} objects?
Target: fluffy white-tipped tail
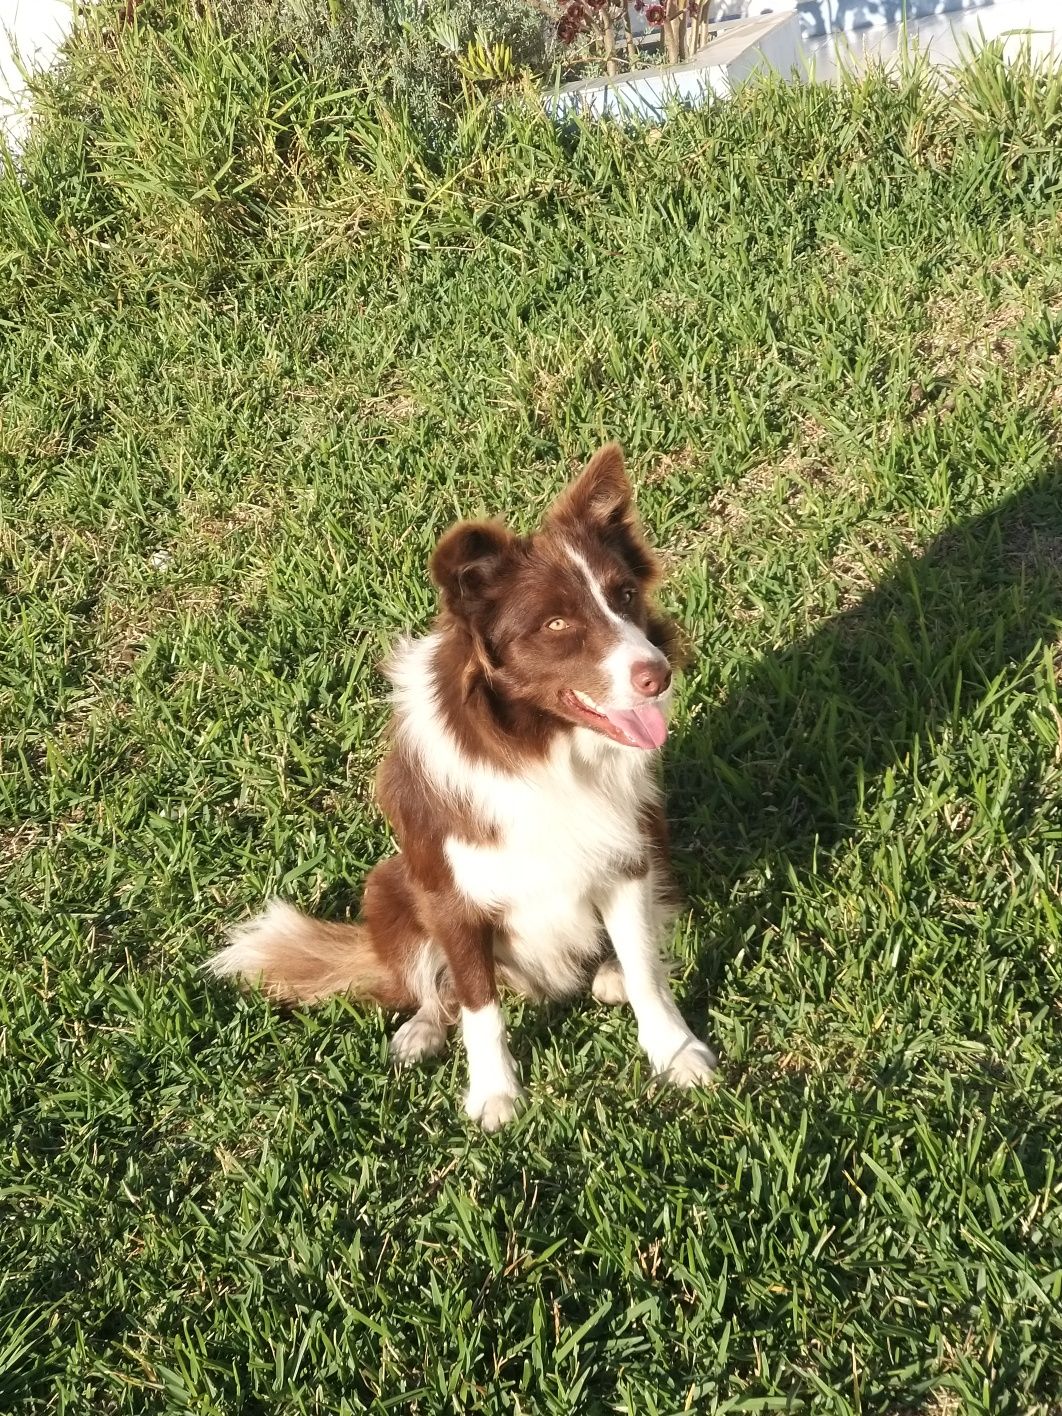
[{"x": 295, "y": 959}]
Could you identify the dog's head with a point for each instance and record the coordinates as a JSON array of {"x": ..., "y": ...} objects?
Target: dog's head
[{"x": 561, "y": 620}]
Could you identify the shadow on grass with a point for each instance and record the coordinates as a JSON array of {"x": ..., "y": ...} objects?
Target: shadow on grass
[{"x": 776, "y": 772}]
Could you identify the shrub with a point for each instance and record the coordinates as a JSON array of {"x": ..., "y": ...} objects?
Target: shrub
[{"x": 413, "y": 53}]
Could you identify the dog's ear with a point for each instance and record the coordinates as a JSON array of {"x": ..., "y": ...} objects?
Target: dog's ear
[
  {"x": 468, "y": 561},
  {"x": 601, "y": 495},
  {"x": 600, "y": 502}
]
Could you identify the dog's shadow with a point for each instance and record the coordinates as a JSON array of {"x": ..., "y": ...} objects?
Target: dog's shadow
[{"x": 773, "y": 776}]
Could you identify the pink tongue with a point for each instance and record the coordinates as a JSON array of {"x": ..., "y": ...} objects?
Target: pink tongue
[{"x": 645, "y": 727}]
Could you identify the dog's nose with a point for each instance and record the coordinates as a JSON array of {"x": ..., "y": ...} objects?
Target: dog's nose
[{"x": 650, "y": 678}]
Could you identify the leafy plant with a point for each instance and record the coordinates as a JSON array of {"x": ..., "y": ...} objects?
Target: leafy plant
[
  {"x": 487, "y": 62},
  {"x": 413, "y": 53},
  {"x": 478, "y": 60}
]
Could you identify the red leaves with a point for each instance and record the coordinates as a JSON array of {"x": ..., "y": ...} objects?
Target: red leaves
[
  {"x": 576, "y": 19},
  {"x": 571, "y": 24},
  {"x": 581, "y": 16}
]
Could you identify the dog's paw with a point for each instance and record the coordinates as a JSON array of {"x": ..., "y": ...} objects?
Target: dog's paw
[
  {"x": 608, "y": 985},
  {"x": 495, "y": 1111},
  {"x": 416, "y": 1039},
  {"x": 692, "y": 1066}
]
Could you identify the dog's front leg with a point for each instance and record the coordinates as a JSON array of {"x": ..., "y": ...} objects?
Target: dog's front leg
[
  {"x": 630, "y": 916},
  {"x": 493, "y": 1085}
]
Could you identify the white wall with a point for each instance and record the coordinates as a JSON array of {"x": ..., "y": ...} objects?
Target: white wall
[{"x": 33, "y": 30}]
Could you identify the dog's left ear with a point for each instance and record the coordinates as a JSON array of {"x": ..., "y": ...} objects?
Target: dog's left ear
[
  {"x": 601, "y": 495},
  {"x": 601, "y": 501}
]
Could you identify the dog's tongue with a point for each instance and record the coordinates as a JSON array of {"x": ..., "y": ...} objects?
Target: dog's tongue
[{"x": 645, "y": 727}]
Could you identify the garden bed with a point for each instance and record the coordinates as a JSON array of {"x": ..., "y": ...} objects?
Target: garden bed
[{"x": 732, "y": 52}]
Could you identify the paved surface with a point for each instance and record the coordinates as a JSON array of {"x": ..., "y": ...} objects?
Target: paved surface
[{"x": 947, "y": 38}]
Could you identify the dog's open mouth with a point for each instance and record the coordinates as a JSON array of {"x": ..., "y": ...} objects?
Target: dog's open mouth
[{"x": 644, "y": 727}]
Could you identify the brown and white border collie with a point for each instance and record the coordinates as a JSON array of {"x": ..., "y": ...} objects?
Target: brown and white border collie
[{"x": 522, "y": 786}]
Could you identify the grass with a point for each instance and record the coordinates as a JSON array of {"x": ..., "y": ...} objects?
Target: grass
[{"x": 258, "y": 348}]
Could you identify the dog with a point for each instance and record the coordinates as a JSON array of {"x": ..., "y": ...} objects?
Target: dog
[{"x": 522, "y": 786}]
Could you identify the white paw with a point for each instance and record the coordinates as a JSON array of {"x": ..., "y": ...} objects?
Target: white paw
[
  {"x": 693, "y": 1065},
  {"x": 608, "y": 985},
  {"x": 493, "y": 1112},
  {"x": 416, "y": 1039}
]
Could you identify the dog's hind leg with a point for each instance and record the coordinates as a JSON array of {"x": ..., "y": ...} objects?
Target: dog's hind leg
[
  {"x": 422, "y": 1035},
  {"x": 425, "y": 1033},
  {"x": 401, "y": 936},
  {"x": 608, "y": 985}
]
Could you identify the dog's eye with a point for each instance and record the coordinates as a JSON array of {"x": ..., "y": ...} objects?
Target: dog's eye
[
  {"x": 556, "y": 624},
  {"x": 626, "y": 595}
]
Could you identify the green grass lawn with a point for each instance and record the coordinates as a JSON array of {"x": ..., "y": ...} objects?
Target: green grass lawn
[{"x": 257, "y": 349}]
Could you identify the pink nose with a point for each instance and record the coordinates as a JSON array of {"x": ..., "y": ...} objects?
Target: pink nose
[{"x": 650, "y": 678}]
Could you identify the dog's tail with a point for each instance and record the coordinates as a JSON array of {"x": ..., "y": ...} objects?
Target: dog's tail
[{"x": 295, "y": 959}]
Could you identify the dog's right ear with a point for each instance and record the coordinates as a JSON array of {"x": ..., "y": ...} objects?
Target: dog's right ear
[{"x": 468, "y": 561}]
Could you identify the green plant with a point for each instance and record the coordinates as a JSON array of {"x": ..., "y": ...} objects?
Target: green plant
[
  {"x": 485, "y": 61},
  {"x": 416, "y": 53}
]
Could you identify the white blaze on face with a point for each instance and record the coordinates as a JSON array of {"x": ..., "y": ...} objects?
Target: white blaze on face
[{"x": 643, "y": 721}]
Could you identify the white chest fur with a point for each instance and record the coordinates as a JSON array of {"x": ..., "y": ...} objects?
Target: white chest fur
[
  {"x": 563, "y": 829},
  {"x": 565, "y": 832}
]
